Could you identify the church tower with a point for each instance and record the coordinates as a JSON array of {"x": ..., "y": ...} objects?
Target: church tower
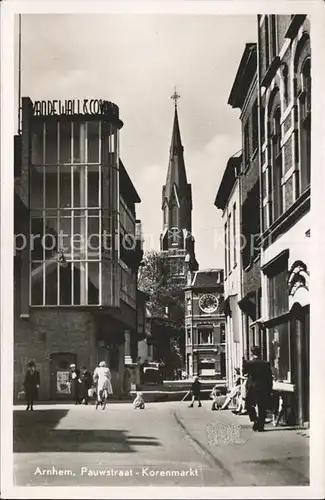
[{"x": 176, "y": 239}]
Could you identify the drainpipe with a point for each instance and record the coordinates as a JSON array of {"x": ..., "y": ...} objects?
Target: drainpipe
[
  {"x": 241, "y": 319},
  {"x": 260, "y": 145}
]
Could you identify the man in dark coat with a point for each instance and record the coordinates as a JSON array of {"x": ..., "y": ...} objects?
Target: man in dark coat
[
  {"x": 196, "y": 392},
  {"x": 31, "y": 385},
  {"x": 75, "y": 381},
  {"x": 259, "y": 388}
]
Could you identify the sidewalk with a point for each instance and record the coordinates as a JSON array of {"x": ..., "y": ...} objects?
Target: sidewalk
[{"x": 252, "y": 457}]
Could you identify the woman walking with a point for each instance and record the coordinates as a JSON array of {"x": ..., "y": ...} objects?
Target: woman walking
[
  {"x": 102, "y": 378},
  {"x": 86, "y": 383},
  {"x": 31, "y": 385}
]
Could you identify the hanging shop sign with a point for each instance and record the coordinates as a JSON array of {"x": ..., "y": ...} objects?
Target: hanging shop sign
[{"x": 74, "y": 107}]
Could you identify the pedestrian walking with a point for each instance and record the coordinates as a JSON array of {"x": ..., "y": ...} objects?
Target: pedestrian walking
[
  {"x": 86, "y": 384},
  {"x": 258, "y": 388},
  {"x": 75, "y": 383},
  {"x": 31, "y": 385},
  {"x": 196, "y": 392},
  {"x": 102, "y": 379}
]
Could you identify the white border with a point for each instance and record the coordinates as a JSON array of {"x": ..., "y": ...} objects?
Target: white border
[{"x": 316, "y": 11}]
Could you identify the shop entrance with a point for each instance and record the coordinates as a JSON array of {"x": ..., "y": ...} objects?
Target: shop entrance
[{"x": 305, "y": 362}]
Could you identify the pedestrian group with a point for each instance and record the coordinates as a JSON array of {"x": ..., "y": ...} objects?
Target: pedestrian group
[
  {"x": 83, "y": 386},
  {"x": 252, "y": 390}
]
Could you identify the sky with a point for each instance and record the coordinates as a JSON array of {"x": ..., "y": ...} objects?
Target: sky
[{"x": 136, "y": 60}]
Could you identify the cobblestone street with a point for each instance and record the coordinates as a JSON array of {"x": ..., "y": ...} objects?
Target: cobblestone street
[{"x": 166, "y": 444}]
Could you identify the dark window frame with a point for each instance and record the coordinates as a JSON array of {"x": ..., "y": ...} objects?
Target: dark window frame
[
  {"x": 277, "y": 166},
  {"x": 304, "y": 101},
  {"x": 254, "y": 126},
  {"x": 247, "y": 151},
  {"x": 226, "y": 247},
  {"x": 234, "y": 211}
]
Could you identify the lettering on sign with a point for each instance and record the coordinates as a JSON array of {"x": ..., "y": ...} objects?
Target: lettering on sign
[{"x": 74, "y": 107}]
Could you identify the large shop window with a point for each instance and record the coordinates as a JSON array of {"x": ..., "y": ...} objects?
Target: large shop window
[
  {"x": 279, "y": 351},
  {"x": 278, "y": 293},
  {"x": 67, "y": 213}
]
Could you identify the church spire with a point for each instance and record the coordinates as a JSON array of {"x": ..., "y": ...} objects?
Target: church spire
[
  {"x": 177, "y": 202},
  {"x": 176, "y": 174}
]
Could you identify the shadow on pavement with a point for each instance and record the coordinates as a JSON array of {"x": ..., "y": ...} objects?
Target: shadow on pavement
[
  {"x": 281, "y": 428},
  {"x": 38, "y": 432}
]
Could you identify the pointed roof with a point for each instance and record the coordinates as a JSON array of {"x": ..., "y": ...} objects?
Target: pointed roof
[
  {"x": 176, "y": 174},
  {"x": 176, "y": 144}
]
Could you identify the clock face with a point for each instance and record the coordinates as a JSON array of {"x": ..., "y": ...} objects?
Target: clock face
[{"x": 208, "y": 303}]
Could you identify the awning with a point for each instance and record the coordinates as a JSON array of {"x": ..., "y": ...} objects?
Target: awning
[{"x": 248, "y": 306}]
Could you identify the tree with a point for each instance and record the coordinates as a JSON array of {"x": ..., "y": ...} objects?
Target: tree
[{"x": 165, "y": 304}]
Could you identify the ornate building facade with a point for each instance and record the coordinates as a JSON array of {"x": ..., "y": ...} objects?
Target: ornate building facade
[
  {"x": 272, "y": 89},
  {"x": 76, "y": 276},
  {"x": 205, "y": 325},
  {"x": 284, "y": 90}
]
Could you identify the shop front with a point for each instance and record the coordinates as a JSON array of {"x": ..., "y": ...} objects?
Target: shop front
[{"x": 287, "y": 334}]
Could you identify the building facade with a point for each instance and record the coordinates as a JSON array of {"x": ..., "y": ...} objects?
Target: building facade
[
  {"x": 243, "y": 96},
  {"x": 284, "y": 89},
  {"x": 76, "y": 274},
  {"x": 272, "y": 90},
  {"x": 205, "y": 325},
  {"x": 228, "y": 200},
  {"x": 176, "y": 240}
]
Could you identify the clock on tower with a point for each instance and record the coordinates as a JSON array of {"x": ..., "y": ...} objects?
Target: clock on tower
[{"x": 208, "y": 303}]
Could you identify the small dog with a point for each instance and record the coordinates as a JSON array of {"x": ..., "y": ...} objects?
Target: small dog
[{"x": 139, "y": 401}]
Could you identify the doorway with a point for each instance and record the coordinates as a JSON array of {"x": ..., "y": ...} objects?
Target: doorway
[
  {"x": 306, "y": 362},
  {"x": 60, "y": 368}
]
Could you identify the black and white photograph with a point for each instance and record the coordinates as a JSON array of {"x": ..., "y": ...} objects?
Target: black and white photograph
[{"x": 159, "y": 280}]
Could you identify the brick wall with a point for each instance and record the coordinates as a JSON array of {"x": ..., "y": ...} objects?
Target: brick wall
[
  {"x": 47, "y": 332},
  {"x": 250, "y": 178}
]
